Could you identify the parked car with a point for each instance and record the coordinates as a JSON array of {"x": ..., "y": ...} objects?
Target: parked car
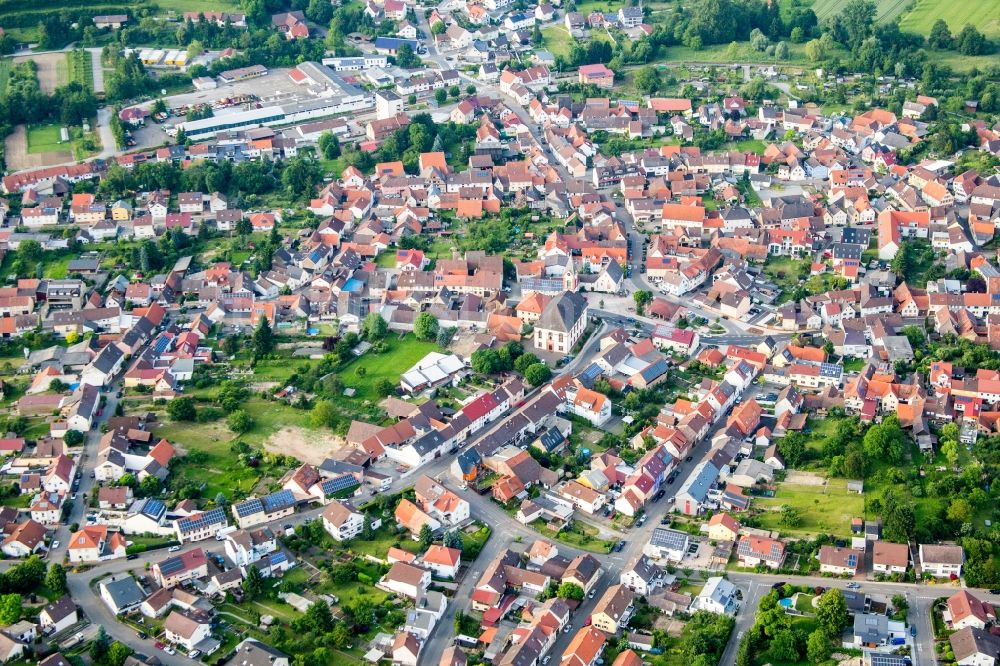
[
  {"x": 173, "y": 549},
  {"x": 55, "y": 544},
  {"x": 142, "y": 636}
]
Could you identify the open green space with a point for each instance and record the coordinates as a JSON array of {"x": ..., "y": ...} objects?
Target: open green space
[
  {"x": 181, "y": 6},
  {"x": 887, "y": 9},
  {"x": 45, "y": 138},
  {"x": 400, "y": 355},
  {"x": 983, "y": 14},
  {"x": 381, "y": 541},
  {"x": 826, "y": 509},
  {"x": 804, "y": 603},
  {"x": 580, "y": 534},
  {"x": 386, "y": 260}
]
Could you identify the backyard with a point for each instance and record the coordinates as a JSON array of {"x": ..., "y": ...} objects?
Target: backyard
[
  {"x": 825, "y": 508},
  {"x": 400, "y": 355}
]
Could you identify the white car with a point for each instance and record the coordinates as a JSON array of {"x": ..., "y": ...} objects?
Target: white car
[
  {"x": 55, "y": 544},
  {"x": 173, "y": 549},
  {"x": 169, "y": 650}
]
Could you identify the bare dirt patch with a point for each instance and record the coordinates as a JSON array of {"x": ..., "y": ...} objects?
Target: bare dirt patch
[
  {"x": 305, "y": 445},
  {"x": 18, "y": 157},
  {"x": 49, "y": 67},
  {"x": 805, "y": 479}
]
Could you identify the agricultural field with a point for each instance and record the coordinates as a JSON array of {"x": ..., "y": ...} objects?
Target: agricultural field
[
  {"x": 825, "y": 508},
  {"x": 887, "y": 9},
  {"x": 80, "y": 68},
  {"x": 984, "y": 14}
]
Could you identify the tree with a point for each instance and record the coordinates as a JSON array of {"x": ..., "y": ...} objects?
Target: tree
[
  {"x": 262, "y": 342},
  {"x": 570, "y": 591},
  {"x": 815, "y": 51},
  {"x": 949, "y": 448},
  {"x": 375, "y": 327},
  {"x": 486, "y": 361},
  {"x": 783, "y": 647},
  {"x": 758, "y": 40},
  {"x": 438, "y": 28},
  {"x": 525, "y": 361},
  {"x": 244, "y": 227},
  {"x": 426, "y": 536},
  {"x": 790, "y": 517},
  {"x": 940, "y": 36},
  {"x": 329, "y": 145},
  {"x": 960, "y": 511},
  {"x": 452, "y": 539},
  {"x": 537, "y": 374},
  {"x": 55, "y": 579},
  {"x": 781, "y": 51},
  {"x": 647, "y": 79},
  {"x": 971, "y": 42},
  {"x": 831, "y": 613},
  {"x": 149, "y": 486},
  {"x": 240, "y": 421},
  {"x": 319, "y": 617},
  {"x": 898, "y": 520},
  {"x": 73, "y": 438},
  {"x": 886, "y": 440},
  {"x": 425, "y": 326},
  {"x": 440, "y": 96},
  {"x": 118, "y": 653},
  {"x": 182, "y": 409},
  {"x": 406, "y": 58},
  {"x": 253, "y": 584},
  {"x": 792, "y": 447},
  {"x": 384, "y": 388},
  {"x": 857, "y": 20},
  {"x": 323, "y": 414},
  {"x": 641, "y": 298},
  {"x": 899, "y": 604},
  {"x": 818, "y": 647},
  {"x": 99, "y": 648},
  {"x": 10, "y": 608}
]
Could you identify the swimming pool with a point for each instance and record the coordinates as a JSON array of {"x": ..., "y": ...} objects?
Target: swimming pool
[{"x": 786, "y": 602}]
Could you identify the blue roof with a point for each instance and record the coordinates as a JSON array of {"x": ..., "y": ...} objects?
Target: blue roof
[
  {"x": 701, "y": 481},
  {"x": 279, "y": 500},
  {"x": 654, "y": 370},
  {"x": 249, "y": 507},
  {"x": 171, "y": 565},
  {"x": 394, "y": 43},
  {"x": 590, "y": 375}
]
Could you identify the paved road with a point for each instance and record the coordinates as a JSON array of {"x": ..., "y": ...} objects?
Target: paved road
[{"x": 97, "y": 67}]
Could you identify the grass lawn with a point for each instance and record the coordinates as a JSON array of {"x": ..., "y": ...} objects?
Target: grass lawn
[
  {"x": 823, "y": 509},
  {"x": 386, "y": 260},
  {"x": 785, "y": 271},
  {"x": 401, "y": 355},
  {"x": 580, "y": 534},
  {"x": 853, "y": 364},
  {"x": 181, "y": 6},
  {"x": 45, "y": 139},
  {"x": 214, "y": 468},
  {"x": 17, "y": 501},
  {"x": 747, "y": 145},
  {"x": 984, "y": 14},
  {"x": 382, "y": 540},
  {"x": 803, "y": 603}
]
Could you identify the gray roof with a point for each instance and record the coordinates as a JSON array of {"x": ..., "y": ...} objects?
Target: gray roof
[
  {"x": 124, "y": 592},
  {"x": 255, "y": 653},
  {"x": 672, "y": 539},
  {"x": 562, "y": 312}
]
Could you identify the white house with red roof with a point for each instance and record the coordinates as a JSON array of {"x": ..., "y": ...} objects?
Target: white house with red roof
[
  {"x": 442, "y": 561},
  {"x": 95, "y": 543}
]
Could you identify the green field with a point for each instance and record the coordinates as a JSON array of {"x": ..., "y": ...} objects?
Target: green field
[
  {"x": 80, "y": 69},
  {"x": 887, "y": 9},
  {"x": 5, "y": 65},
  {"x": 823, "y": 509},
  {"x": 984, "y": 14},
  {"x": 401, "y": 355},
  {"x": 45, "y": 139},
  {"x": 181, "y": 6}
]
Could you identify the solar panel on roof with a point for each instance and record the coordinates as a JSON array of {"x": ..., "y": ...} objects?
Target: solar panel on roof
[
  {"x": 249, "y": 507},
  {"x": 339, "y": 483},
  {"x": 171, "y": 566},
  {"x": 278, "y": 500},
  {"x": 199, "y": 522}
]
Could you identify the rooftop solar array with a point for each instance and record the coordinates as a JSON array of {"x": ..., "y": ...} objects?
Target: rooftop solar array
[{"x": 200, "y": 521}]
